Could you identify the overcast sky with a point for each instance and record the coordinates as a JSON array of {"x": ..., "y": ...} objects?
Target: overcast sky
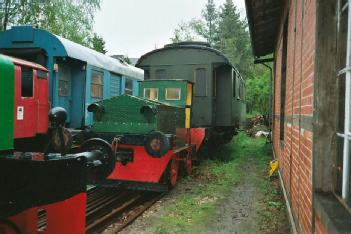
[{"x": 134, "y": 27}]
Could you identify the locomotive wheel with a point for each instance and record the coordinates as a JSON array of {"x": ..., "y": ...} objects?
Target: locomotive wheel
[{"x": 173, "y": 173}]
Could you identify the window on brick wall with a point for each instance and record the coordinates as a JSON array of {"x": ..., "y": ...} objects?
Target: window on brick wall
[
  {"x": 283, "y": 80},
  {"x": 342, "y": 168}
]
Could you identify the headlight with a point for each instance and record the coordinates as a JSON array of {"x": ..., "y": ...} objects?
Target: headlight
[{"x": 157, "y": 144}]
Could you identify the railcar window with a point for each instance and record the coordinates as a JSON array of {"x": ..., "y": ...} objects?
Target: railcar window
[
  {"x": 215, "y": 84},
  {"x": 96, "y": 84},
  {"x": 128, "y": 87},
  {"x": 234, "y": 83},
  {"x": 41, "y": 75},
  {"x": 241, "y": 90},
  {"x": 27, "y": 82},
  {"x": 200, "y": 82},
  {"x": 151, "y": 93},
  {"x": 173, "y": 93},
  {"x": 146, "y": 74},
  {"x": 161, "y": 74}
]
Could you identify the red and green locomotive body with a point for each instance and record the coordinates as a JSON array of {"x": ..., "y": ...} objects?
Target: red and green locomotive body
[
  {"x": 150, "y": 134},
  {"x": 40, "y": 186}
]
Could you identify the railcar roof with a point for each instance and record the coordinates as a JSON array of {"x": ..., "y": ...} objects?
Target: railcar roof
[
  {"x": 170, "y": 80},
  {"x": 24, "y": 62},
  {"x": 98, "y": 59},
  {"x": 187, "y": 45},
  {"x": 27, "y": 37}
]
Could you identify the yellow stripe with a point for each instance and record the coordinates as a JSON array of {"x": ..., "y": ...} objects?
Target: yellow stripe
[{"x": 187, "y": 117}]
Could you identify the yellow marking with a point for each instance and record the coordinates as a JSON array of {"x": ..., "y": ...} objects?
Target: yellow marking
[
  {"x": 187, "y": 117},
  {"x": 273, "y": 167},
  {"x": 189, "y": 94}
]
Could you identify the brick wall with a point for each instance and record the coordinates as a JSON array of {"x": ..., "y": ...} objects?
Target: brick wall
[
  {"x": 295, "y": 151},
  {"x": 319, "y": 227}
]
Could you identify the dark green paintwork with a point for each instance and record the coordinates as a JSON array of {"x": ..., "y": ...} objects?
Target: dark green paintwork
[
  {"x": 7, "y": 94},
  {"x": 180, "y": 61},
  {"x": 122, "y": 115},
  {"x": 161, "y": 85}
]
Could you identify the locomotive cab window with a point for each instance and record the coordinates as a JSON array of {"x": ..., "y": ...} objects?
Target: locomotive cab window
[
  {"x": 173, "y": 93},
  {"x": 27, "y": 82},
  {"x": 41, "y": 75},
  {"x": 129, "y": 87},
  {"x": 97, "y": 84},
  {"x": 151, "y": 93},
  {"x": 200, "y": 82}
]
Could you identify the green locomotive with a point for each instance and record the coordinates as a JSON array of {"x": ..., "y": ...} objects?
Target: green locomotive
[{"x": 150, "y": 134}]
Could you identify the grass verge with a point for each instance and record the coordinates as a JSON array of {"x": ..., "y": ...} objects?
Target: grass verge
[{"x": 212, "y": 180}]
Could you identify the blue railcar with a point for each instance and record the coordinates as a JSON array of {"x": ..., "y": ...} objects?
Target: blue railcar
[{"x": 79, "y": 76}]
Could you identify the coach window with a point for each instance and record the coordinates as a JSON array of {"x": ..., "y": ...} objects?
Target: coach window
[
  {"x": 128, "y": 87},
  {"x": 200, "y": 82},
  {"x": 342, "y": 188},
  {"x": 97, "y": 84},
  {"x": 151, "y": 93},
  {"x": 234, "y": 83},
  {"x": 161, "y": 74},
  {"x": 27, "y": 82},
  {"x": 283, "y": 80},
  {"x": 173, "y": 93}
]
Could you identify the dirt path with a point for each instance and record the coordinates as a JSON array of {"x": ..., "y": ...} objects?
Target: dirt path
[
  {"x": 238, "y": 212},
  {"x": 233, "y": 196}
]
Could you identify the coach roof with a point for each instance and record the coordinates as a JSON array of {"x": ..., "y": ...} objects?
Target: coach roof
[{"x": 27, "y": 37}]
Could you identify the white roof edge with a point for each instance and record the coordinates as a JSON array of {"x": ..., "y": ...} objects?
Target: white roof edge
[{"x": 92, "y": 57}]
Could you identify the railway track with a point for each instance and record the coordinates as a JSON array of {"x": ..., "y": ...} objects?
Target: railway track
[{"x": 106, "y": 206}]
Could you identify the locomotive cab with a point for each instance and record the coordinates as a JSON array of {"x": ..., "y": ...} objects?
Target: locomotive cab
[{"x": 25, "y": 106}]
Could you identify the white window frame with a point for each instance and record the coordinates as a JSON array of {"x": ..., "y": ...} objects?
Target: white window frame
[
  {"x": 179, "y": 90},
  {"x": 346, "y": 135},
  {"x": 157, "y": 92}
]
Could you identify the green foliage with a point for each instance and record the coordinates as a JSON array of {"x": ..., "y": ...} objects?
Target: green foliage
[
  {"x": 195, "y": 210},
  {"x": 71, "y": 19},
  {"x": 98, "y": 44},
  {"x": 257, "y": 93},
  {"x": 234, "y": 39}
]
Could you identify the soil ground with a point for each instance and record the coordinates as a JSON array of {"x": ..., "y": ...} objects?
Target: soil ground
[{"x": 244, "y": 201}]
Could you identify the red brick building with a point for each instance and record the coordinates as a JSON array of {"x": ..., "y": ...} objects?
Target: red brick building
[{"x": 310, "y": 42}]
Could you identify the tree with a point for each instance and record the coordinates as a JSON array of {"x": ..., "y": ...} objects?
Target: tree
[
  {"x": 226, "y": 31},
  {"x": 70, "y": 19},
  {"x": 98, "y": 44},
  {"x": 188, "y": 32},
  {"x": 234, "y": 39},
  {"x": 257, "y": 93},
  {"x": 204, "y": 29},
  {"x": 210, "y": 15}
]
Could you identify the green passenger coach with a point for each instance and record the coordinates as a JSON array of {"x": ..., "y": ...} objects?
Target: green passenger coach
[{"x": 219, "y": 90}]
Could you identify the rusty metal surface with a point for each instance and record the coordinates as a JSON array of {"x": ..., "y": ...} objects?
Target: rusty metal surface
[
  {"x": 264, "y": 20},
  {"x": 106, "y": 206}
]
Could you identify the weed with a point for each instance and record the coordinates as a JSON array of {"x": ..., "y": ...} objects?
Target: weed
[{"x": 212, "y": 181}]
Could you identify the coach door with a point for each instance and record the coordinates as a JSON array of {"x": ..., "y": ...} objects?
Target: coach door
[
  {"x": 64, "y": 88},
  {"x": 223, "y": 95}
]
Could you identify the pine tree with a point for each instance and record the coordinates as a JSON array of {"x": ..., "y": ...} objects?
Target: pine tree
[
  {"x": 234, "y": 38},
  {"x": 210, "y": 15}
]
